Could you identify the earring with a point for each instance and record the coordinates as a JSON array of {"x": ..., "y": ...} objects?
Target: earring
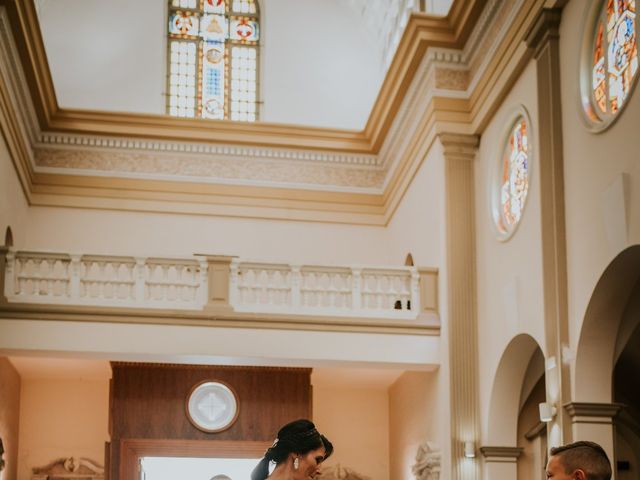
[{"x": 296, "y": 463}]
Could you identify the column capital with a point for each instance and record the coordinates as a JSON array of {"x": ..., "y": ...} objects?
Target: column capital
[
  {"x": 591, "y": 412},
  {"x": 501, "y": 454},
  {"x": 545, "y": 27},
  {"x": 459, "y": 145}
]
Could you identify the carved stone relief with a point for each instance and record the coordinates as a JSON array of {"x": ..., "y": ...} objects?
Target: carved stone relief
[
  {"x": 1, "y": 455},
  {"x": 338, "y": 472},
  {"x": 206, "y": 167},
  {"x": 67, "y": 468},
  {"x": 427, "y": 466}
]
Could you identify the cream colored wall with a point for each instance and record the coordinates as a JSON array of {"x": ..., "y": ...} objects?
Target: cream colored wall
[
  {"x": 417, "y": 227},
  {"x": 147, "y": 234},
  {"x": 417, "y": 224},
  {"x": 317, "y": 64},
  {"x": 593, "y": 163},
  {"x": 9, "y": 415},
  {"x": 13, "y": 204},
  {"x": 509, "y": 273},
  {"x": 78, "y": 428},
  {"x": 356, "y": 420},
  {"x": 413, "y": 419}
]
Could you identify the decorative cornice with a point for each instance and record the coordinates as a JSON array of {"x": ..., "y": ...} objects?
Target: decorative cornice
[
  {"x": 501, "y": 454},
  {"x": 211, "y": 169},
  {"x": 577, "y": 410},
  {"x": 459, "y": 145},
  {"x": 212, "y": 318},
  {"x": 228, "y": 150},
  {"x": 190, "y": 366}
]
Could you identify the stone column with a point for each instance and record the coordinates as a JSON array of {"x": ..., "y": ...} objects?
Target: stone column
[
  {"x": 543, "y": 38},
  {"x": 500, "y": 462},
  {"x": 459, "y": 153}
]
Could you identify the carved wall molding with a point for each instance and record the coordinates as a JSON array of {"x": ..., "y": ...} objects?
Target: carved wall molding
[
  {"x": 243, "y": 166},
  {"x": 427, "y": 466},
  {"x": 501, "y": 454},
  {"x": 70, "y": 467},
  {"x": 133, "y": 144},
  {"x": 585, "y": 412},
  {"x": 339, "y": 472}
]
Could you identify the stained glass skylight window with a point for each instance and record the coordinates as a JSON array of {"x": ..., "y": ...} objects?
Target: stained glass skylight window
[
  {"x": 512, "y": 182},
  {"x": 212, "y": 64},
  {"x": 613, "y": 61}
]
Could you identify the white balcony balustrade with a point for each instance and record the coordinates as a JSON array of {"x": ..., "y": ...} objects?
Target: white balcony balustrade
[
  {"x": 320, "y": 290},
  {"x": 53, "y": 278},
  {"x": 204, "y": 282}
]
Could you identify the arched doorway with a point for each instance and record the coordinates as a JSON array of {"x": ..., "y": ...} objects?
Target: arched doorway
[
  {"x": 515, "y": 436},
  {"x": 607, "y": 362},
  {"x": 626, "y": 390}
]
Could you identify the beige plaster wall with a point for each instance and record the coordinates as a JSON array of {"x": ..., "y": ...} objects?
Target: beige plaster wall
[
  {"x": 356, "y": 420},
  {"x": 79, "y": 426},
  {"x": 413, "y": 419},
  {"x": 9, "y": 417},
  {"x": 417, "y": 224},
  {"x": 593, "y": 163},
  {"x": 418, "y": 227},
  {"x": 509, "y": 273},
  {"x": 13, "y": 204},
  {"x": 148, "y": 234}
]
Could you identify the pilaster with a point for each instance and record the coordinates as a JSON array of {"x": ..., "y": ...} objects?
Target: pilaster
[
  {"x": 428, "y": 291},
  {"x": 500, "y": 462},
  {"x": 543, "y": 38},
  {"x": 459, "y": 153},
  {"x": 595, "y": 421},
  {"x": 218, "y": 275}
]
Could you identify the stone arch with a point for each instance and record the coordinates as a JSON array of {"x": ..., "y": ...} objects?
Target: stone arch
[
  {"x": 504, "y": 406},
  {"x": 408, "y": 261},
  {"x": 596, "y": 349},
  {"x": 8, "y": 237}
]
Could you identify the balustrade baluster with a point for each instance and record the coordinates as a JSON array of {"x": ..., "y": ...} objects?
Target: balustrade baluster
[
  {"x": 165, "y": 283},
  {"x": 9, "y": 279},
  {"x": 356, "y": 288},
  {"x": 140, "y": 281},
  {"x": 414, "y": 291},
  {"x": 74, "y": 280},
  {"x": 101, "y": 276},
  {"x": 203, "y": 289},
  {"x": 271, "y": 291}
]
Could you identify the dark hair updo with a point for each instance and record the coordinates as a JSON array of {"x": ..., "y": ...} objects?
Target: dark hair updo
[{"x": 298, "y": 437}]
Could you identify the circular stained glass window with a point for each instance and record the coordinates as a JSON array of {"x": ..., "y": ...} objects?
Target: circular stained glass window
[
  {"x": 511, "y": 181},
  {"x": 609, "y": 60}
]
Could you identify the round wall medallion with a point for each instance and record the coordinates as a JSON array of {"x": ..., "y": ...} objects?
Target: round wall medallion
[{"x": 212, "y": 406}]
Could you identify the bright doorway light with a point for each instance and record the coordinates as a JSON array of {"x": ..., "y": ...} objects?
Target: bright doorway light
[{"x": 189, "y": 468}]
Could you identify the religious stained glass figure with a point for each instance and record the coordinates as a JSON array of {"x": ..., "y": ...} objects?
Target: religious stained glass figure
[
  {"x": 514, "y": 178},
  {"x": 615, "y": 56},
  {"x": 213, "y": 59}
]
